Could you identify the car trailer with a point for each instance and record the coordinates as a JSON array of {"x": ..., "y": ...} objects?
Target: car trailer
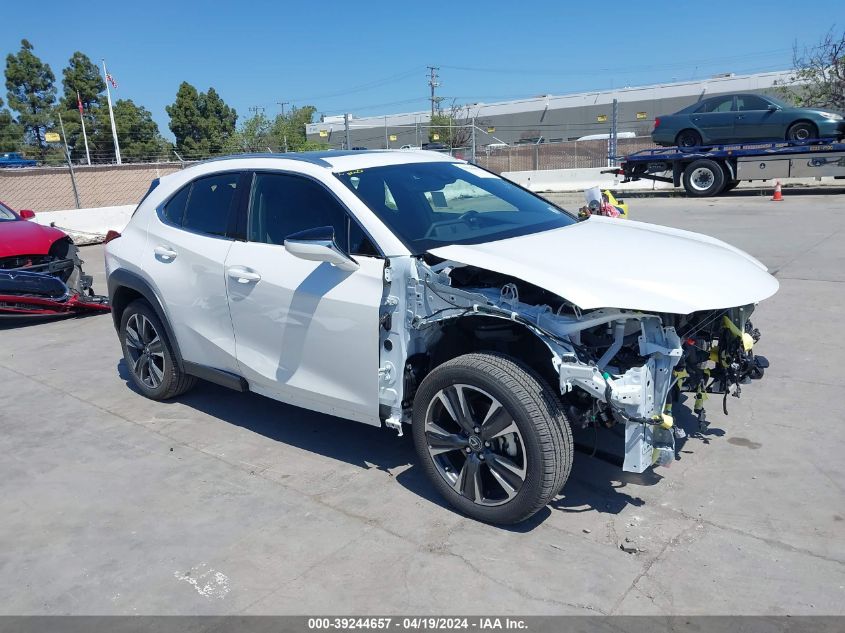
[{"x": 713, "y": 169}]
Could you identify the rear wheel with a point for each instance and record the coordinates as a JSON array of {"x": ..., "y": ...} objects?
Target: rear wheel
[
  {"x": 148, "y": 354},
  {"x": 492, "y": 437},
  {"x": 703, "y": 178},
  {"x": 688, "y": 138}
]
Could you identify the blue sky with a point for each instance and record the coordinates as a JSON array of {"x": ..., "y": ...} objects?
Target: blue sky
[{"x": 370, "y": 57}]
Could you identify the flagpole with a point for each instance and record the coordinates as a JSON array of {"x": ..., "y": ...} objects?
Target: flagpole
[
  {"x": 84, "y": 135},
  {"x": 111, "y": 116}
]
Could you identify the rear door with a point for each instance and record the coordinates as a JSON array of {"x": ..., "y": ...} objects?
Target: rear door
[
  {"x": 714, "y": 118},
  {"x": 306, "y": 332},
  {"x": 187, "y": 244}
]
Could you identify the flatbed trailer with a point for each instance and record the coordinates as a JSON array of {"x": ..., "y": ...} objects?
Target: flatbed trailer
[{"x": 713, "y": 169}]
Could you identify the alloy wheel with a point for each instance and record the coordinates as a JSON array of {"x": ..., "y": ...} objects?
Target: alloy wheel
[
  {"x": 146, "y": 351},
  {"x": 475, "y": 445}
]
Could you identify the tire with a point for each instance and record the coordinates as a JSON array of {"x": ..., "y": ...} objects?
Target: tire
[
  {"x": 704, "y": 177},
  {"x": 149, "y": 356},
  {"x": 688, "y": 138},
  {"x": 520, "y": 456},
  {"x": 802, "y": 131}
]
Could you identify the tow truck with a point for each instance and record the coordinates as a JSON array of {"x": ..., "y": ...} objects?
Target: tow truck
[{"x": 713, "y": 169}]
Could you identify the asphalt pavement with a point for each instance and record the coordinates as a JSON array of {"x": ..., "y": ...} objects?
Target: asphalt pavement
[{"x": 228, "y": 503}]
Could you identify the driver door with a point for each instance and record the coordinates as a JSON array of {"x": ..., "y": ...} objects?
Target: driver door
[{"x": 306, "y": 332}]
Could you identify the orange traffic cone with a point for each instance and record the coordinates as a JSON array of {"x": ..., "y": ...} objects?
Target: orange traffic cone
[{"x": 778, "y": 197}]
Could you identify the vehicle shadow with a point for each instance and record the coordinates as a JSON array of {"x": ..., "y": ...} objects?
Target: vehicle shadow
[
  {"x": 757, "y": 192},
  {"x": 15, "y": 322},
  {"x": 594, "y": 485}
]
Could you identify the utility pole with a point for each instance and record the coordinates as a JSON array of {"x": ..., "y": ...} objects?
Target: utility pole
[
  {"x": 614, "y": 135},
  {"x": 473, "y": 141},
  {"x": 433, "y": 83},
  {"x": 346, "y": 127},
  {"x": 283, "y": 104},
  {"x": 256, "y": 109}
]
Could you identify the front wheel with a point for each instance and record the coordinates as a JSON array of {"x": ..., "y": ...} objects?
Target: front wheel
[
  {"x": 704, "y": 177},
  {"x": 492, "y": 437},
  {"x": 802, "y": 131}
]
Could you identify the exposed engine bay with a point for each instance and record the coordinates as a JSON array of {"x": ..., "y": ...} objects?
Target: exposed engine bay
[
  {"x": 612, "y": 366},
  {"x": 44, "y": 285}
]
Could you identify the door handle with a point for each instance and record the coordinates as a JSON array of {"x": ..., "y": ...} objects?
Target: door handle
[
  {"x": 242, "y": 275},
  {"x": 739, "y": 116},
  {"x": 164, "y": 252}
]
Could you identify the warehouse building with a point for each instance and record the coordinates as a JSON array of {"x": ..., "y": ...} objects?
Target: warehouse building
[{"x": 552, "y": 118}]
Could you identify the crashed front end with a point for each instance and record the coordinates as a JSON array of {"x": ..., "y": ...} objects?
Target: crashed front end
[
  {"x": 614, "y": 366},
  {"x": 646, "y": 362},
  {"x": 46, "y": 285}
]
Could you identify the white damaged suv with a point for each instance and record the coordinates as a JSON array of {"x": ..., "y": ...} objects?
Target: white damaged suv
[{"x": 407, "y": 287}]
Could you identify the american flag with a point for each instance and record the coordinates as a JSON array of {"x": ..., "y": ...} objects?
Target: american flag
[
  {"x": 111, "y": 80},
  {"x": 79, "y": 103}
]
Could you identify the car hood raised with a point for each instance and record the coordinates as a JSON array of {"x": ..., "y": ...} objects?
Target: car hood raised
[
  {"x": 21, "y": 237},
  {"x": 612, "y": 263}
]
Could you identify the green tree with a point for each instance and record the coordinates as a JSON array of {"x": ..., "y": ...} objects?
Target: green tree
[
  {"x": 289, "y": 130},
  {"x": 137, "y": 133},
  {"x": 818, "y": 74},
  {"x": 254, "y": 135},
  {"x": 32, "y": 93},
  {"x": 218, "y": 119},
  {"x": 83, "y": 76},
  {"x": 201, "y": 122},
  {"x": 11, "y": 134},
  {"x": 453, "y": 126}
]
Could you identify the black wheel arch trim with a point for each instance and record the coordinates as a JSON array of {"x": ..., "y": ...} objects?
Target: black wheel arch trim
[{"x": 122, "y": 278}]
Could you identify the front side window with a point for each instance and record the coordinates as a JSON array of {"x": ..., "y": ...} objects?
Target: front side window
[
  {"x": 283, "y": 204},
  {"x": 751, "y": 102},
  {"x": 427, "y": 205}
]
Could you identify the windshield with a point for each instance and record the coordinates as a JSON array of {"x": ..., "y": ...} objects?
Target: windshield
[
  {"x": 435, "y": 204},
  {"x": 6, "y": 213}
]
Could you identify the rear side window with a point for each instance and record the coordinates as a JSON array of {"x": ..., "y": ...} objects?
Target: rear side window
[
  {"x": 204, "y": 205},
  {"x": 723, "y": 104},
  {"x": 209, "y": 203}
]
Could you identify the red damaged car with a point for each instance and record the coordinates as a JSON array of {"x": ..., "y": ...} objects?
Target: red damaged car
[{"x": 40, "y": 270}]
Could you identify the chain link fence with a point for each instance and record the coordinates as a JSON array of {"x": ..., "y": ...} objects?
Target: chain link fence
[
  {"x": 51, "y": 188},
  {"x": 564, "y": 155}
]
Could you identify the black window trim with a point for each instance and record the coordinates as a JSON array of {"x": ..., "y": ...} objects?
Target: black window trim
[
  {"x": 233, "y": 207},
  {"x": 245, "y": 210}
]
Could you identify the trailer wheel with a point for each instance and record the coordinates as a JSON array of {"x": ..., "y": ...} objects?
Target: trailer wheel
[{"x": 704, "y": 177}]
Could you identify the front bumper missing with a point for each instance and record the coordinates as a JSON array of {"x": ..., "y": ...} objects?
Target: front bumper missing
[{"x": 637, "y": 396}]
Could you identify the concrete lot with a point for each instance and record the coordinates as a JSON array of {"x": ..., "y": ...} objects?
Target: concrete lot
[{"x": 230, "y": 503}]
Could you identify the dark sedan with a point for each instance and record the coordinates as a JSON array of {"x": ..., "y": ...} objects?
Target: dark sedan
[{"x": 744, "y": 117}]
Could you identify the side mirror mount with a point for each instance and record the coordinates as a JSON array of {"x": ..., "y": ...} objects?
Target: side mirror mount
[
  {"x": 772, "y": 108},
  {"x": 318, "y": 245},
  {"x": 26, "y": 214}
]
